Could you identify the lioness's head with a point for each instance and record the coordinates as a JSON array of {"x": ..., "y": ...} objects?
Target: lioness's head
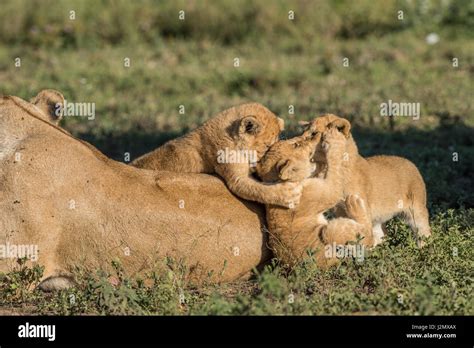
[
  {"x": 289, "y": 160},
  {"x": 256, "y": 128},
  {"x": 49, "y": 102},
  {"x": 315, "y": 128}
]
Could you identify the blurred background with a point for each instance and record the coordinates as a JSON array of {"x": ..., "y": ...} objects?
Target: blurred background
[{"x": 290, "y": 53}]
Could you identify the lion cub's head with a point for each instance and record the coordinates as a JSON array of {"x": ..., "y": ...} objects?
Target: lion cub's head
[
  {"x": 315, "y": 128},
  {"x": 255, "y": 127},
  {"x": 288, "y": 160}
]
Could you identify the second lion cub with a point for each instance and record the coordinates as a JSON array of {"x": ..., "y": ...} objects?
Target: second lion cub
[{"x": 389, "y": 185}]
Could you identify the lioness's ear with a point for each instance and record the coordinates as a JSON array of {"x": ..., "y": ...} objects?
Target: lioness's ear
[
  {"x": 50, "y": 102},
  {"x": 285, "y": 169},
  {"x": 342, "y": 126},
  {"x": 249, "y": 125}
]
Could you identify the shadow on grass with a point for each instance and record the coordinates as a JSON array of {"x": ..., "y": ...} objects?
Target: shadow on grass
[{"x": 443, "y": 155}]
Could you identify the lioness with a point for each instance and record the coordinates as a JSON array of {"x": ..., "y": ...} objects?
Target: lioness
[
  {"x": 294, "y": 232},
  {"x": 389, "y": 185},
  {"x": 75, "y": 207},
  {"x": 248, "y": 129}
]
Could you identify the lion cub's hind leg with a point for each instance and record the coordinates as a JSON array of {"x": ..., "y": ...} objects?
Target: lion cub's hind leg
[
  {"x": 417, "y": 218},
  {"x": 357, "y": 224},
  {"x": 356, "y": 209}
]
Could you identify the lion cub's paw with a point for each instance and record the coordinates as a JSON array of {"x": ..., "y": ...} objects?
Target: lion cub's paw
[
  {"x": 290, "y": 194},
  {"x": 333, "y": 139},
  {"x": 355, "y": 208}
]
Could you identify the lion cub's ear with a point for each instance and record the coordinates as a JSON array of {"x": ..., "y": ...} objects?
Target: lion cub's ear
[
  {"x": 51, "y": 103},
  {"x": 249, "y": 125},
  {"x": 285, "y": 169},
  {"x": 342, "y": 126}
]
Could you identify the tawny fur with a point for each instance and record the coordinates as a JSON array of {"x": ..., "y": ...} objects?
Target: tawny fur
[
  {"x": 297, "y": 233},
  {"x": 389, "y": 185},
  {"x": 248, "y": 127},
  {"x": 82, "y": 209}
]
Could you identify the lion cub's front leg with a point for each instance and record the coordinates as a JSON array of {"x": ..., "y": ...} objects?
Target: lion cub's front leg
[
  {"x": 330, "y": 188},
  {"x": 240, "y": 182}
]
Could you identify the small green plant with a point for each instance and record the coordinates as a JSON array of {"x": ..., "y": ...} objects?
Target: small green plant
[{"x": 16, "y": 286}]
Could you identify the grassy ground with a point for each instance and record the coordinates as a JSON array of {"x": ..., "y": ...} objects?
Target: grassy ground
[{"x": 282, "y": 63}]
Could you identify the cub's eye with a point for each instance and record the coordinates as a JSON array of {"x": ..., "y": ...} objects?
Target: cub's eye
[
  {"x": 295, "y": 145},
  {"x": 314, "y": 133}
]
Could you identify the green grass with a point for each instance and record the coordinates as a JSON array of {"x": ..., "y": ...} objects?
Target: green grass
[
  {"x": 395, "y": 278},
  {"x": 282, "y": 63}
]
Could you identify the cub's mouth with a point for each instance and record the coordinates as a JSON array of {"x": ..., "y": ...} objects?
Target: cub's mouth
[{"x": 318, "y": 168}]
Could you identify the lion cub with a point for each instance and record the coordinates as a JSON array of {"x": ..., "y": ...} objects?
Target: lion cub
[
  {"x": 389, "y": 185},
  {"x": 292, "y": 232},
  {"x": 229, "y": 145}
]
